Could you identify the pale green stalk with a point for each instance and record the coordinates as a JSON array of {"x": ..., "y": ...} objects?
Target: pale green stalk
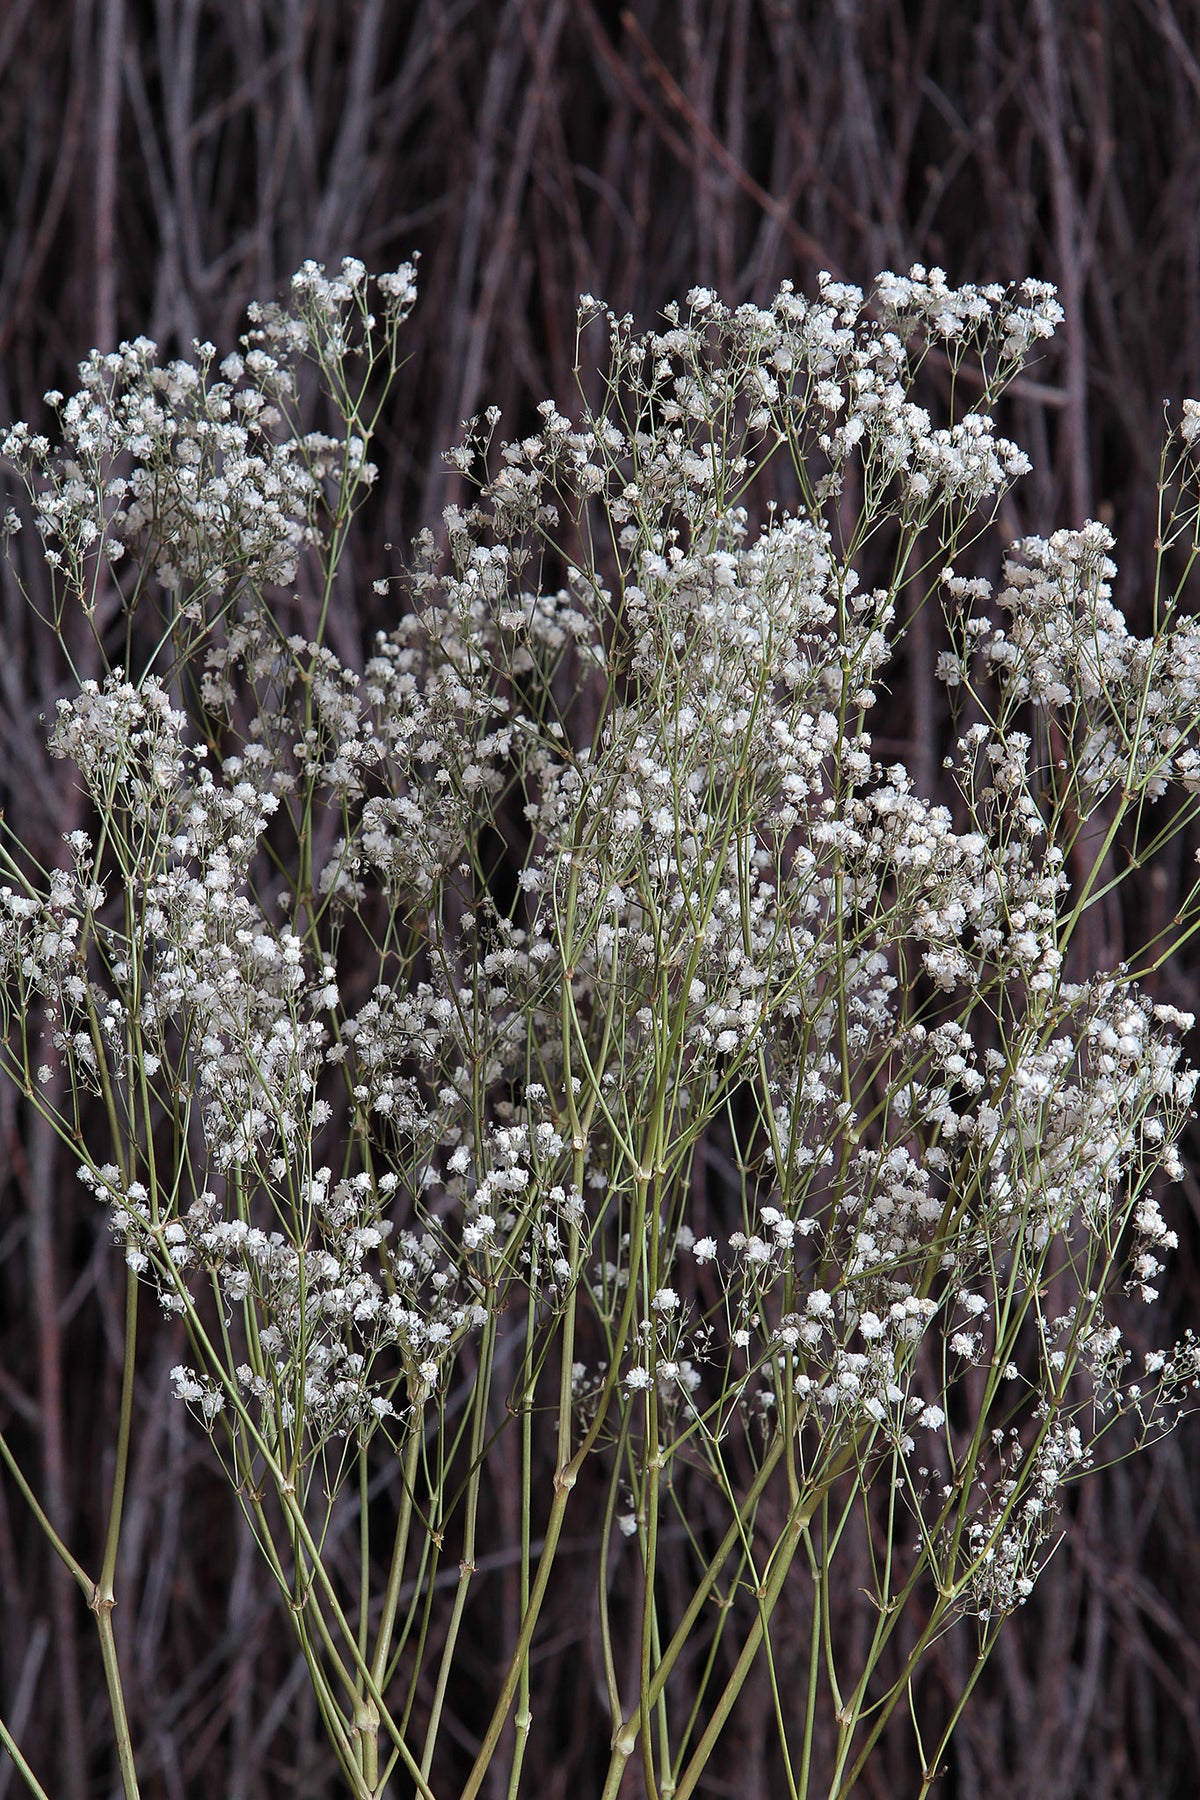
[
  {"x": 523, "y": 1717},
  {"x": 366, "y": 1721},
  {"x": 104, "y": 1598},
  {"x": 625, "y": 1737},
  {"x": 74, "y": 1567},
  {"x": 933, "y": 1767},
  {"x": 22, "y": 1767},
  {"x": 779, "y": 1567},
  {"x": 480, "y": 1396},
  {"x": 391, "y": 1597},
  {"x": 816, "y": 1634}
]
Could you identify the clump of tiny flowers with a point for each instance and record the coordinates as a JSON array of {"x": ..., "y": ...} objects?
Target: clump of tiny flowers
[
  {"x": 195, "y": 469},
  {"x": 737, "y": 939}
]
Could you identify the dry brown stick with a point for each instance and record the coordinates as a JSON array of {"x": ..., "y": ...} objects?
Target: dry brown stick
[
  {"x": 345, "y": 187},
  {"x": 108, "y": 128},
  {"x": 801, "y": 241},
  {"x": 503, "y": 65},
  {"x": 64, "y": 175},
  {"x": 1053, "y": 127}
]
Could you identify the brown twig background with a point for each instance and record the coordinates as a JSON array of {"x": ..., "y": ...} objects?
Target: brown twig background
[{"x": 162, "y": 162}]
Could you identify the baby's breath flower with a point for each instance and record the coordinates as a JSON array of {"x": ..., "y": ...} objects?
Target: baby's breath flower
[{"x": 744, "y": 970}]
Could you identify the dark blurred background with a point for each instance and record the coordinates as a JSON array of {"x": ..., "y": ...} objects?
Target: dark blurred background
[{"x": 163, "y": 162}]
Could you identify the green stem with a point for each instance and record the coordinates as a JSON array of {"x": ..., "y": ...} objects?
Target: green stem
[
  {"x": 814, "y": 1669},
  {"x": 103, "y": 1609},
  {"x": 563, "y": 1483},
  {"x": 649, "y": 1634},
  {"x": 366, "y": 1716},
  {"x": 104, "y": 1598},
  {"x": 22, "y": 1767},
  {"x": 391, "y": 1599},
  {"x": 364, "y": 1550},
  {"x": 71, "y": 1563},
  {"x": 481, "y": 1390},
  {"x": 626, "y": 1735},
  {"x": 124, "y": 1430},
  {"x": 784, "y": 1554},
  {"x": 523, "y": 1719},
  {"x": 930, "y": 1774}
]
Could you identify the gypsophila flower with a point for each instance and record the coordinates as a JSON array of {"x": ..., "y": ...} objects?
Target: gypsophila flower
[{"x": 747, "y": 1113}]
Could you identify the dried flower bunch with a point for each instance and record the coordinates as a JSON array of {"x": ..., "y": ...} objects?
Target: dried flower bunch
[{"x": 567, "y": 1025}]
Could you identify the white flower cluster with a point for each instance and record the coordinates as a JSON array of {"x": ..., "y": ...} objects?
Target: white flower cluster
[
  {"x": 354, "y": 1335},
  {"x": 730, "y": 936},
  {"x": 1003, "y": 1542},
  {"x": 1130, "y": 704},
  {"x": 203, "y": 950},
  {"x": 831, "y": 377},
  {"x": 198, "y": 470},
  {"x": 995, "y": 320}
]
